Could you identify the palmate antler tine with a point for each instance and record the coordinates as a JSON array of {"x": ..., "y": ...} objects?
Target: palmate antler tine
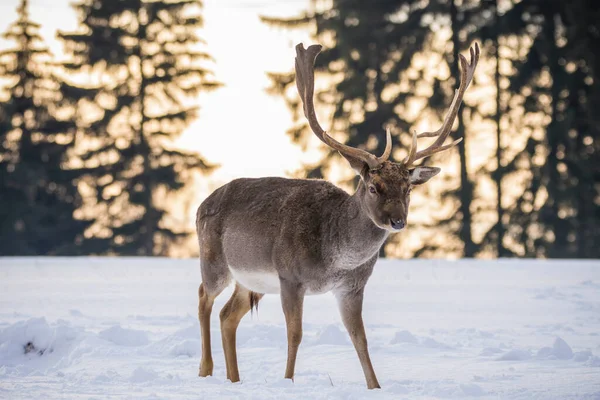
[
  {"x": 466, "y": 76},
  {"x": 304, "y": 64}
]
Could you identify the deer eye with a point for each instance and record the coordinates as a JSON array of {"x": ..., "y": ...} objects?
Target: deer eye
[{"x": 372, "y": 189}]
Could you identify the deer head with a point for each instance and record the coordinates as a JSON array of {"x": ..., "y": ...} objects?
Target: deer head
[{"x": 385, "y": 185}]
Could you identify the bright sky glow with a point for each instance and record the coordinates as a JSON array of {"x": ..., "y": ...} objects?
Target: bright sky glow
[{"x": 241, "y": 127}]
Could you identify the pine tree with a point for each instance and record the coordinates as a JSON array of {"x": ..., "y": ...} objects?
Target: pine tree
[
  {"x": 489, "y": 20},
  {"x": 554, "y": 217},
  {"x": 583, "y": 40},
  {"x": 370, "y": 55},
  {"x": 465, "y": 191},
  {"x": 39, "y": 196},
  {"x": 145, "y": 57},
  {"x": 549, "y": 107}
]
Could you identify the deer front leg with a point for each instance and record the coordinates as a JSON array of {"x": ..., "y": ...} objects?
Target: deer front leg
[
  {"x": 292, "y": 299},
  {"x": 350, "y": 304}
]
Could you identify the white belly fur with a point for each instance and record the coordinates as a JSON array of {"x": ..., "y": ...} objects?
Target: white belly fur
[{"x": 257, "y": 281}]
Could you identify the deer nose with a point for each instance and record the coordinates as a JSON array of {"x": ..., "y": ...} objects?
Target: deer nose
[{"x": 397, "y": 223}]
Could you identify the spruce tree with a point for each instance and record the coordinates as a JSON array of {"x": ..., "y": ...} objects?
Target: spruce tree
[
  {"x": 38, "y": 185},
  {"x": 370, "y": 52},
  {"x": 549, "y": 107},
  {"x": 145, "y": 56},
  {"x": 583, "y": 38},
  {"x": 487, "y": 17},
  {"x": 556, "y": 216}
]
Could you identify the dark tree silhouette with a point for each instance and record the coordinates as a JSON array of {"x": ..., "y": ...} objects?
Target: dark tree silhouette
[
  {"x": 548, "y": 101},
  {"x": 557, "y": 214},
  {"x": 370, "y": 52},
  {"x": 38, "y": 184},
  {"x": 143, "y": 66}
]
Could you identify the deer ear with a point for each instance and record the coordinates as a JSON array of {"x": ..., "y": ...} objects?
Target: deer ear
[
  {"x": 360, "y": 167},
  {"x": 419, "y": 175}
]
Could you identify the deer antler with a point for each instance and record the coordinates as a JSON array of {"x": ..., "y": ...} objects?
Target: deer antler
[
  {"x": 305, "y": 82},
  {"x": 467, "y": 70}
]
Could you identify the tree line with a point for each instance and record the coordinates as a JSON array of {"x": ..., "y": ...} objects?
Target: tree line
[
  {"x": 526, "y": 179},
  {"x": 87, "y": 163}
]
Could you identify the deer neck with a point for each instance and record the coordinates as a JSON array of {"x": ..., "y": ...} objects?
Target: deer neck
[{"x": 360, "y": 238}]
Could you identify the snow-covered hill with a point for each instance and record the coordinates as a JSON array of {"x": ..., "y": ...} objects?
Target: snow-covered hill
[{"x": 127, "y": 329}]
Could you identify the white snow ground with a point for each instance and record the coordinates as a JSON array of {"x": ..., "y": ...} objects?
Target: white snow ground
[{"x": 127, "y": 329}]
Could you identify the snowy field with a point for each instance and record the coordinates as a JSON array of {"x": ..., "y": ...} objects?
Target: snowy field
[{"x": 102, "y": 328}]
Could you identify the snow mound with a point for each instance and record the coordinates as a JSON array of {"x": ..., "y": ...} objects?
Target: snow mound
[
  {"x": 544, "y": 352},
  {"x": 427, "y": 342},
  {"x": 560, "y": 350},
  {"x": 33, "y": 347},
  {"x": 124, "y": 337},
  {"x": 189, "y": 348},
  {"x": 397, "y": 388},
  {"x": 582, "y": 356},
  {"x": 471, "y": 389},
  {"x": 490, "y": 351},
  {"x": 332, "y": 335},
  {"x": 107, "y": 377},
  {"x": 404, "y": 337},
  {"x": 262, "y": 335},
  {"x": 190, "y": 332},
  {"x": 594, "y": 361},
  {"x": 33, "y": 337},
  {"x": 282, "y": 383},
  {"x": 434, "y": 344},
  {"x": 75, "y": 313},
  {"x": 515, "y": 355},
  {"x": 142, "y": 374},
  {"x": 184, "y": 342}
]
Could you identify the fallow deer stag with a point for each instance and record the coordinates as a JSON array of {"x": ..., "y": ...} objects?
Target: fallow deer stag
[{"x": 299, "y": 237}]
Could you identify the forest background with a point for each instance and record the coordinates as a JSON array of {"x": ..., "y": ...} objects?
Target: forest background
[{"x": 117, "y": 117}]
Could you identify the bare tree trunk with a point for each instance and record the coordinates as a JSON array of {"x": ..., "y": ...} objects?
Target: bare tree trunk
[
  {"x": 500, "y": 230},
  {"x": 149, "y": 222},
  {"x": 466, "y": 186}
]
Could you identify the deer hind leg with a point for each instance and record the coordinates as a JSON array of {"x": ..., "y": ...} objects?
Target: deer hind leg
[
  {"x": 350, "y": 304},
  {"x": 215, "y": 278},
  {"x": 292, "y": 300},
  {"x": 241, "y": 301},
  {"x": 205, "y": 304}
]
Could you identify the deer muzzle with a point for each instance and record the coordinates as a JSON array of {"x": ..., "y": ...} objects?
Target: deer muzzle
[{"x": 397, "y": 223}]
